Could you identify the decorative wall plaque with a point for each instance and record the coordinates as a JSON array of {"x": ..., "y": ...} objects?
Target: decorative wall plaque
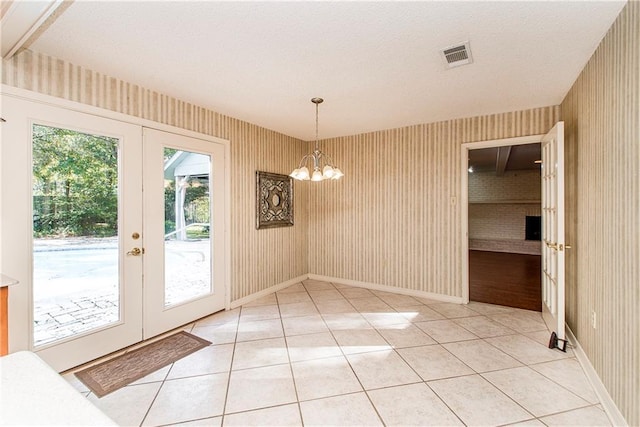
[{"x": 274, "y": 200}]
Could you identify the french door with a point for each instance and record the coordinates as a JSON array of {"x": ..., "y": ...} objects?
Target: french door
[
  {"x": 184, "y": 230},
  {"x": 102, "y": 264},
  {"x": 553, "y": 247}
]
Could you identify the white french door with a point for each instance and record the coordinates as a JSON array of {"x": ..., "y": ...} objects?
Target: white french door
[
  {"x": 553, "y": 238},
  {"x": 184, "y": 230},
  {"x": 71, "y": 202},
  {"x": 103, "y": 264}
]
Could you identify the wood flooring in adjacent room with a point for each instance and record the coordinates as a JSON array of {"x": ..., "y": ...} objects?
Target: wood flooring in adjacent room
[{"x": 506, "y": 279}]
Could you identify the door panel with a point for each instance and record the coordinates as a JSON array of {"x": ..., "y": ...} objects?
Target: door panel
[
  {"x": 68, "y": 219},
  {"x": 553, "y": 247},
  {"x": 75, "y": 233},
  {"x": 184, "y": 230}
]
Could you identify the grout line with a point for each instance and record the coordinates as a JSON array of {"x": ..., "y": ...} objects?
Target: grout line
[
  {"x": 435, "y": 393},
  {"x": 560, "y": 383},
  {"x": 146, "y": 414},
  {"x": 344, "y": 356},
  {"x": 590, "y": 405},
  {"x": 233, "y": 354},
  {"x": 509, "y": 397},
  {"x": 279, "y": 405},
  {"x": 286, "y": 346}
]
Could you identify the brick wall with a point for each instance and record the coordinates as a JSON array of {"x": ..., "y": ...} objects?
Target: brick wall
[
  {"x": 518, "y": 185},
  {"x": 497, "y": 207}
]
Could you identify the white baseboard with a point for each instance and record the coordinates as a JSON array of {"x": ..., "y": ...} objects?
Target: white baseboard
[
  {"x": 372, "y": 286},
  {"x": 614, "y": 414},
  {"x": 269, "y": 290},
  {"x": 391, "y": 289}
]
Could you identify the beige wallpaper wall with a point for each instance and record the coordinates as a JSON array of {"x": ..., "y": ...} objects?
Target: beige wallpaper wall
[
  {"x": 394, "y": 219},
  {"x": 259, "y": 258},
  {"x": 602, "y": 133},
  {"x": 399, "y": 226}
]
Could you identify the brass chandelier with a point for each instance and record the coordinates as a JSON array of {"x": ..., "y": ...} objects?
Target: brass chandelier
[{"x": 322, "y": 164}]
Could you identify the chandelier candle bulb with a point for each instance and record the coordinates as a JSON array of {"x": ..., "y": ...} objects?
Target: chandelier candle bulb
[{"x": 323, "y": 167}]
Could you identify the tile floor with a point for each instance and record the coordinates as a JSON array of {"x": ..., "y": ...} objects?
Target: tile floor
[{"x": 317, "y": 353}]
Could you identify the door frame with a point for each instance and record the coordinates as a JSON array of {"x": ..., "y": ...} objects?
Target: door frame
[
  {"x": 16, "y": 342},
  {"x": 464, "y": 196}
]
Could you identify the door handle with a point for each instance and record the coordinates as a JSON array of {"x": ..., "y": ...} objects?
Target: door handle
[
  {"x": 556, "y": 247},
  {"x": 136, "y": 252}
]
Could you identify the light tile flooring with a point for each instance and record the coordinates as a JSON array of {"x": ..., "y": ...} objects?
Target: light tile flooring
[{"x": 323, "y": 354}]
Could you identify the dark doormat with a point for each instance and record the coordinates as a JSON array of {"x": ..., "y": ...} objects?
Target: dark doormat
[{"x": 116, "y": 373}]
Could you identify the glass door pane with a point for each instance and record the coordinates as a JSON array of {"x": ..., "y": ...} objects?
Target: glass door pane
[
  {"x": 187, "y": 221},
  {"x": 75, "y": 233},
  {"x": 184, "y": 229}
]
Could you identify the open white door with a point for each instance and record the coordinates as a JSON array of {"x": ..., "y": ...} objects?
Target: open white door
[{"x": 553, "y": 243}]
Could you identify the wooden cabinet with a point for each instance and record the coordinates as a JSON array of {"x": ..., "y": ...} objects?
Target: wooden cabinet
[{"x": 4, "y": 313}]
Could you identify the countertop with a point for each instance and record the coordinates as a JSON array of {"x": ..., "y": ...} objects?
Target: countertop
[
  {"x": 7, "y": 281},
  {"x": 32, "y": 393}
]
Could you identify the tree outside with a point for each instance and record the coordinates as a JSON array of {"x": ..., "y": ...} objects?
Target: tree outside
[
  {"x": 75, "y": 187},
  {"x": 75, "y": 183}
]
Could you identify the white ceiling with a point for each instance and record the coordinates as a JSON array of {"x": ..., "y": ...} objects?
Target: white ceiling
[{"x": 376, "y": 64}]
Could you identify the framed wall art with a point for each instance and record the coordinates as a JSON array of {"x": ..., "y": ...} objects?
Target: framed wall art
[{"x": 274, "y": 200}]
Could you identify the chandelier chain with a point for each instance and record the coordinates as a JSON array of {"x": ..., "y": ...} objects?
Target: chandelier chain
[
  {"x": 317, "y": 126},
  {"x": 320, "y": 163}
]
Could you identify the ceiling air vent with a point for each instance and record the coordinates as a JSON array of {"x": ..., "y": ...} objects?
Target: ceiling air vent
[{"x": 455, "y": 56}]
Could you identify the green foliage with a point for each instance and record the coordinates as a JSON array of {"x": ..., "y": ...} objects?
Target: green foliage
[
  {"x": 169, "y": 152},
  {"x": 198, "y": 232},
  {"x": 196, "y": 204},
  {"x": 169, "y": 226},
  {"x": 75, "y": 186},
  {"x": 196, "y": 201},
  {"x": 170, "y": 205},
  {"x": 75, "y": 183}
]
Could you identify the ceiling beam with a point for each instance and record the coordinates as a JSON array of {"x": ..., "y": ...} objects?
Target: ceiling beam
[
  {"x": 23, "y": 22},
  {"x": 502, "y": 158}
]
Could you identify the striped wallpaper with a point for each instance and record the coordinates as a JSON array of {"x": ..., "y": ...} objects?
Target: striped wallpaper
[
  {"x": 259, "y": 258},
  {"x": 394, "y": 219},
  {"x": 4, "y": 7},
  {"x": 602, "y": 134},
  {"x": 410, "y": 203}
]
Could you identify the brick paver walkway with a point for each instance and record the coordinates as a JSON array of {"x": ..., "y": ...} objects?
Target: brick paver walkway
[{"x": 62, "y": 316}]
